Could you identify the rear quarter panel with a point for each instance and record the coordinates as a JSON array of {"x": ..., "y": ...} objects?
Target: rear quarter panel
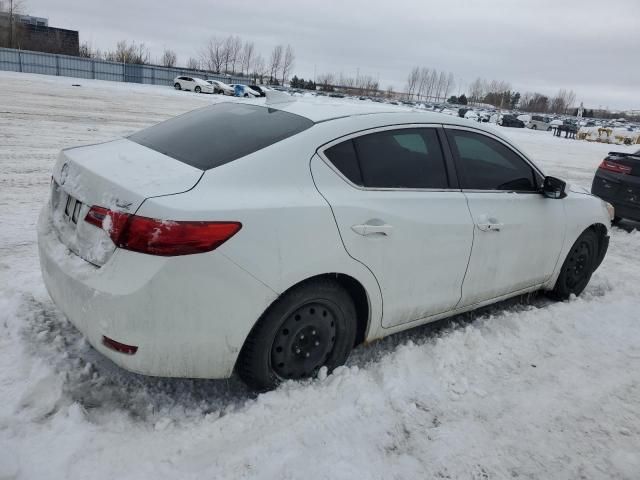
[{"x": 288, "y": 231}]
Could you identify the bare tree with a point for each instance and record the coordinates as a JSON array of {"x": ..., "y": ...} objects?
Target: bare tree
[
  {"x": 449, "y": 85},
  {"x": 86, "y": 51},
  {"x": 477, "y": 90},
  {"x": 226, "y": 53},
  {"x": 287, "y": 63},
  {"x": 325, "y": 81},
  {"x": 389, "y": 93},
  {"x": 534, "y": 102},
  {"x": 248, "y": 52},
  {"x": 129, "y": 53},
  {"x": 193, "y": 63},
  {"x": 562, "y": 101},
  {"x": 212, "y": 56},
  {"x": 412, "y": 81},
  {"x": 441, "y": 84},
  {"x": 274, "y": 62},
  {"x": 422, "y": 82},
  {"x": 260, "y": 69},
  {"x": 234, "y": 47},
  {"x": 13, "y": 8},
  {"x": 169, "y": 58},
  {"x": 431, "y": 83}
]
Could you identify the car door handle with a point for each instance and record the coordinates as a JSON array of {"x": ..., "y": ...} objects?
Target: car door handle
[
  {"x": 490, "y": 227},
  {"x": 372, "y": 229}
]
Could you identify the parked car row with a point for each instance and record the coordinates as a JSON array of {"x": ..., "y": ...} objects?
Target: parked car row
[{"x": 198, "y": 85}]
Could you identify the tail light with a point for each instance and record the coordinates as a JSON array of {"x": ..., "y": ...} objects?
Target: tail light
[
  {"x": 615, "y": 167},
  {"x": 161, "y": 237},
  {"x": 119, "y": 347}
]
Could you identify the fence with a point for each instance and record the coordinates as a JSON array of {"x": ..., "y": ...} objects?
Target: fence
[{"x": 64, "y": 65}]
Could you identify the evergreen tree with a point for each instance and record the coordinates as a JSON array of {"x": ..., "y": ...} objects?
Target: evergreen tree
[
  {"x": 452, "y": 99},
  {"x": 462, "y": 99}
]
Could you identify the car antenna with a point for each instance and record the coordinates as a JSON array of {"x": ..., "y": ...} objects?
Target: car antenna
[{"x": 274, "y": 97}]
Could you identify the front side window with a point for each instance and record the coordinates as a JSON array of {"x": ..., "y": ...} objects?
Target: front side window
[
  {"x": 407, "y": 158},
  {"x": 486, "y": 164}
]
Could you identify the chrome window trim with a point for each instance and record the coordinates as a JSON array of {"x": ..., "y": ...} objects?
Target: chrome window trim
[
  {"x": 507, "y": 145},
  {"x": 320, "y": 152}
]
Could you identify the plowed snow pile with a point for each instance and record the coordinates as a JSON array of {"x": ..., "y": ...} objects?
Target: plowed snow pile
[{"x": 530, "y": 389}]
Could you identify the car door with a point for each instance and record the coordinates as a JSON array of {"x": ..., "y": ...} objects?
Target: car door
[
  {"x": 400, "y": 213},
  {"x": 189, "y": 83},
  {"x": 518, "y": 231}
]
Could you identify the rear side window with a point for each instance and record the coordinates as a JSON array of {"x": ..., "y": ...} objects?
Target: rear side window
[
  {"x": 212, "y": 136},
  {"x": 486, "y": 164},
  {"x": 408, "y": 158}
]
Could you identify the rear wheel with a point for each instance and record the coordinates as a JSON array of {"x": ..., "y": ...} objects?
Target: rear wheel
[
  {"x": 177, "y": 86},
  {"x": 197, "y": 90},
  {"x": 310, "y": 326},
  {"x": 535, "y": 127},
  {"x": 578, "y": 266}
]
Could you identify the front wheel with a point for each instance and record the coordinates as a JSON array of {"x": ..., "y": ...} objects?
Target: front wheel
[
  {"x": 535, "y": 127},
  {"x": 578, "y": 266},
  {"x": 310, "y": 326},
  {"x": 197, "y": 90},
  {"x": 177, "y": 86}
]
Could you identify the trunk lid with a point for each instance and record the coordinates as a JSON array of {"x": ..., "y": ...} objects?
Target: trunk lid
[
  {"x": 117, "y": 175},
  {"x": 631, "y": 160}
]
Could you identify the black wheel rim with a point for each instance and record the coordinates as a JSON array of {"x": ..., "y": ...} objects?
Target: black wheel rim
[
  {"x": 579, "y": 265},
  {"x": 304, "y": 341}
]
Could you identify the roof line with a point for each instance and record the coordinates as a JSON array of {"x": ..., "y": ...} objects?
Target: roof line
[{"x": 352, "y": 115}]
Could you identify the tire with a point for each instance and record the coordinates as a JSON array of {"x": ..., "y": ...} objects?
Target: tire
[
  {"x": 578, "y": 266},
  {"x": 535, "y": 127},
  {"x": 616, "y": 220},
  {"x": 177, "y": 86},
  {"x": 549, "y": 129},
  {"x": 310, "y": 326},
  {"x": 197, "y": 90},
  {"x": 246, "y": 95}
]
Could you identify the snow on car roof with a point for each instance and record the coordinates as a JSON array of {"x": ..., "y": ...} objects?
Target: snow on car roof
[{"x": 322, "y": 110}]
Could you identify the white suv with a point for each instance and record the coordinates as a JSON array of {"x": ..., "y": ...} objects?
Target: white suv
[{"x": 538, "y": 122}]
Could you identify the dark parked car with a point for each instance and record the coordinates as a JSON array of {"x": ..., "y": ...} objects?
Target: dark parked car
[
  {"x": 511, "y": 121},
  {"x": 259, "y": 89},
  {"x": 617, "y": 181}
]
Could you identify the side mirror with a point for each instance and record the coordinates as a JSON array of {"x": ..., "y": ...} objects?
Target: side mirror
[{"x": 554, "y": 187}]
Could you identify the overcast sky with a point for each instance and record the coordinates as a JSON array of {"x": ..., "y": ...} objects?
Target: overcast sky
[{"x": 589, "y": 46}]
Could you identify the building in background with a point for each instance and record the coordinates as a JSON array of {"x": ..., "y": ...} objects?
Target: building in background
[{"x": 34, "y": 33}]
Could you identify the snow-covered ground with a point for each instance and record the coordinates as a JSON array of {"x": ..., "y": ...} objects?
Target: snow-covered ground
[{"x": 535, "y": 389}]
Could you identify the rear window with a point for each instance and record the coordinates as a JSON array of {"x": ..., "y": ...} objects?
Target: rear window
[{"x": 212, "y": 136}]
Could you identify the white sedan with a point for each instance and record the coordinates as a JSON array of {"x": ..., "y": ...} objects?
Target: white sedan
[
  {"x": 221, "y": 87},
  {"x": 195, "y": 249},
  {"x": 194, "y": 84}
]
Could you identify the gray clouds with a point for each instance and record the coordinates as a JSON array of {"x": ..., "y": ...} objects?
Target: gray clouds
[{"x": 585, "y": 45}]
